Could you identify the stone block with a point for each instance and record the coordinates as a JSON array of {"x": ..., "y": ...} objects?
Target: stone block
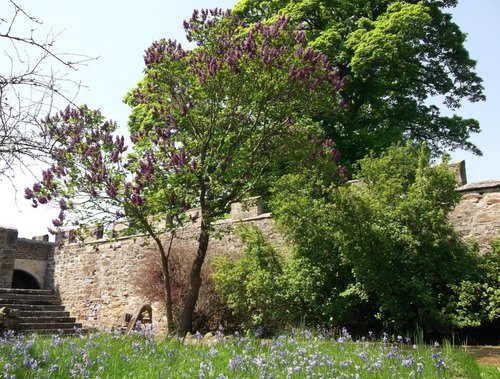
[
  {"x": 472, "y": 196},
  {"x": 461, "y": 173},
  {"x": 251, "y": 207},
  {"x": 8, "y": 236},
  {"x": 493, "y": 200},
  {"x": 44, "y": 238},
  {"x": 486, "y": 218}
]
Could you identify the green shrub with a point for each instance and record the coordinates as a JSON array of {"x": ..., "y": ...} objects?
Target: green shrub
[
  {"x": 249, "y": 286},
  {"x": 377, "y": 255},
  {"x": 476, "y": 301},
  {"x": 387, "y": 253}
]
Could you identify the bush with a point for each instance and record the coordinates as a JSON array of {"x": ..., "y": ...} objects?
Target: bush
[
  {"x": 476, "y": 301},
  {"x": 250, "y": 286},
  {"x": 210, "y": 312},
  {"x": 273, "y": 290},
  {"x": 387, "y": 253}
]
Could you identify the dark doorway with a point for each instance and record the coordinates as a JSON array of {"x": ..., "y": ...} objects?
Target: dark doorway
[{"x": 22, "y": 279}]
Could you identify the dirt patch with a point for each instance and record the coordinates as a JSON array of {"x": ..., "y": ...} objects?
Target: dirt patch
[{"x": 485, "y": 355}]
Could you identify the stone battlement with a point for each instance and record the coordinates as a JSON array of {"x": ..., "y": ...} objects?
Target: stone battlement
[{"x": 248, "y": 209}]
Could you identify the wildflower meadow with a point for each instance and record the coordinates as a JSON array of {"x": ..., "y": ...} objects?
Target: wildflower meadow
[{"x": 297, "y": 354}]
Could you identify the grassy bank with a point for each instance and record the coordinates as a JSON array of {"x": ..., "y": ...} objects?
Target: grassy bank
[{"x": 295, "y": 355}]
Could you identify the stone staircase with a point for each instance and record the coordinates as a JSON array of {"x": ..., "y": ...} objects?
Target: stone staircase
[{"x": 40, "y": 311}]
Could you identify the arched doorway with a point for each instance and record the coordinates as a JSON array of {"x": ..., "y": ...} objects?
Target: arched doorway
[{"x": 23, "y": 279}]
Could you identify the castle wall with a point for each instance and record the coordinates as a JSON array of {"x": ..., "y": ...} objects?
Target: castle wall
[
  {"x": 32, "y": 256},
  {"x": 8, "y": 241},
  {"x": 33, "y": 249},
  {"x": 22, "y": 254},
  {"x": 99, "y": 282},
  {"x": 477, "y": 216}
]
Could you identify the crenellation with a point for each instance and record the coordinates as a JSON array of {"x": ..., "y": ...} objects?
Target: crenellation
[{"x": 460, "y": 171}]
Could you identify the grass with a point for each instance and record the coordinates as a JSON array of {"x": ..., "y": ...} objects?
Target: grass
[
  {"x": 295, "y": 355},
  {"x": 488, "y": 372}
]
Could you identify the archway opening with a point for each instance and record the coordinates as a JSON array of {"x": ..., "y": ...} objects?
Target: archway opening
[{"x": 23, "y": 279}]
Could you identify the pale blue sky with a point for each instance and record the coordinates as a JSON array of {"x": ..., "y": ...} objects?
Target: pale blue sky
[{"x": 119, "y": 32}]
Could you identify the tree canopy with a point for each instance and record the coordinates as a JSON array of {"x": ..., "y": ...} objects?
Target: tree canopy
[
  {"x": 228, "y": 111},
  {"x": 399, "y": 58}
]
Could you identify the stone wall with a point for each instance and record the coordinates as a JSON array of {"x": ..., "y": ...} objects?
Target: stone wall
[
  {"x": 32, "y": 256},
  {"x": 8, "y": 242},
  {"x": 20, "y": 254},
  {"x": 33, "y": 249},
  {"x": 477, "y": 216},
  {"x": 99, "y": 282}
]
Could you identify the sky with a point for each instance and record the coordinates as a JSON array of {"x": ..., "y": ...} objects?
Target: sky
[{"x": 118, "y": 32}]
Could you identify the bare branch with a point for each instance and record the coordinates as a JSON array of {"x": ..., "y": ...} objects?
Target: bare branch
[{"x": 34, "y": 83}]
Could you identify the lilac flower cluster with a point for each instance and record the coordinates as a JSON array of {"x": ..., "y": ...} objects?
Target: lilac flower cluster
[
  {"x": 222, "y": 45},
  {"x": 83, "y": 143},
  {"x": 160, "y": 49}
]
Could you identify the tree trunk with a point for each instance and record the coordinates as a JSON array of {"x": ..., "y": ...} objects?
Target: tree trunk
[
  {"x": 186, "y": 319},
  {"x": 166, "y": 283}
]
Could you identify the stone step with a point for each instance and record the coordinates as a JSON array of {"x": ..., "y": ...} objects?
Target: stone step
[
  {"x": 40, "y": 311},
  {"x": 66, "y": 331},
  {"x": 43, "y": 313},
  {"x": 27, "y": 296},
  {"x": 24, "y": 291},
  {"x": 34, "y": 307},
  {"x": 17, "y": 300},
  {"x": 46, "y": 320}
]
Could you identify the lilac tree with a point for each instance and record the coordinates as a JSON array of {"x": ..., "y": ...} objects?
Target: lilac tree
[
  {"x": 209, "y": 126},
  {"x": 94, "y": 180}
]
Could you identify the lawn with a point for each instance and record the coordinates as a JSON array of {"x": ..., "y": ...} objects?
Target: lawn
[{"x": 298, "y": 354}]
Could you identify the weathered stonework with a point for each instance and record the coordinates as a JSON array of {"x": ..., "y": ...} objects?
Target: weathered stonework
[
  {"x": 20, "y": 255},
  {"x": 99, "y": 281},
  {"x": 477, "y": 216},
  {"x": 8, "y": 240}
]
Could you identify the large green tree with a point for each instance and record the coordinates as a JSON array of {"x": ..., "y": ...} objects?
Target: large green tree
[{"x": 399, "y": 58}]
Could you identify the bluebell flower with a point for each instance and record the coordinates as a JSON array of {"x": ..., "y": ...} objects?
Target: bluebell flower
[
  {"x": 235, "y": 362},
  {"x": 407, "y": 362},
  {"x": 259, "y": 332},
  {"x": 30, "y": 363},
  {"x": 420, "y": 367}
]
